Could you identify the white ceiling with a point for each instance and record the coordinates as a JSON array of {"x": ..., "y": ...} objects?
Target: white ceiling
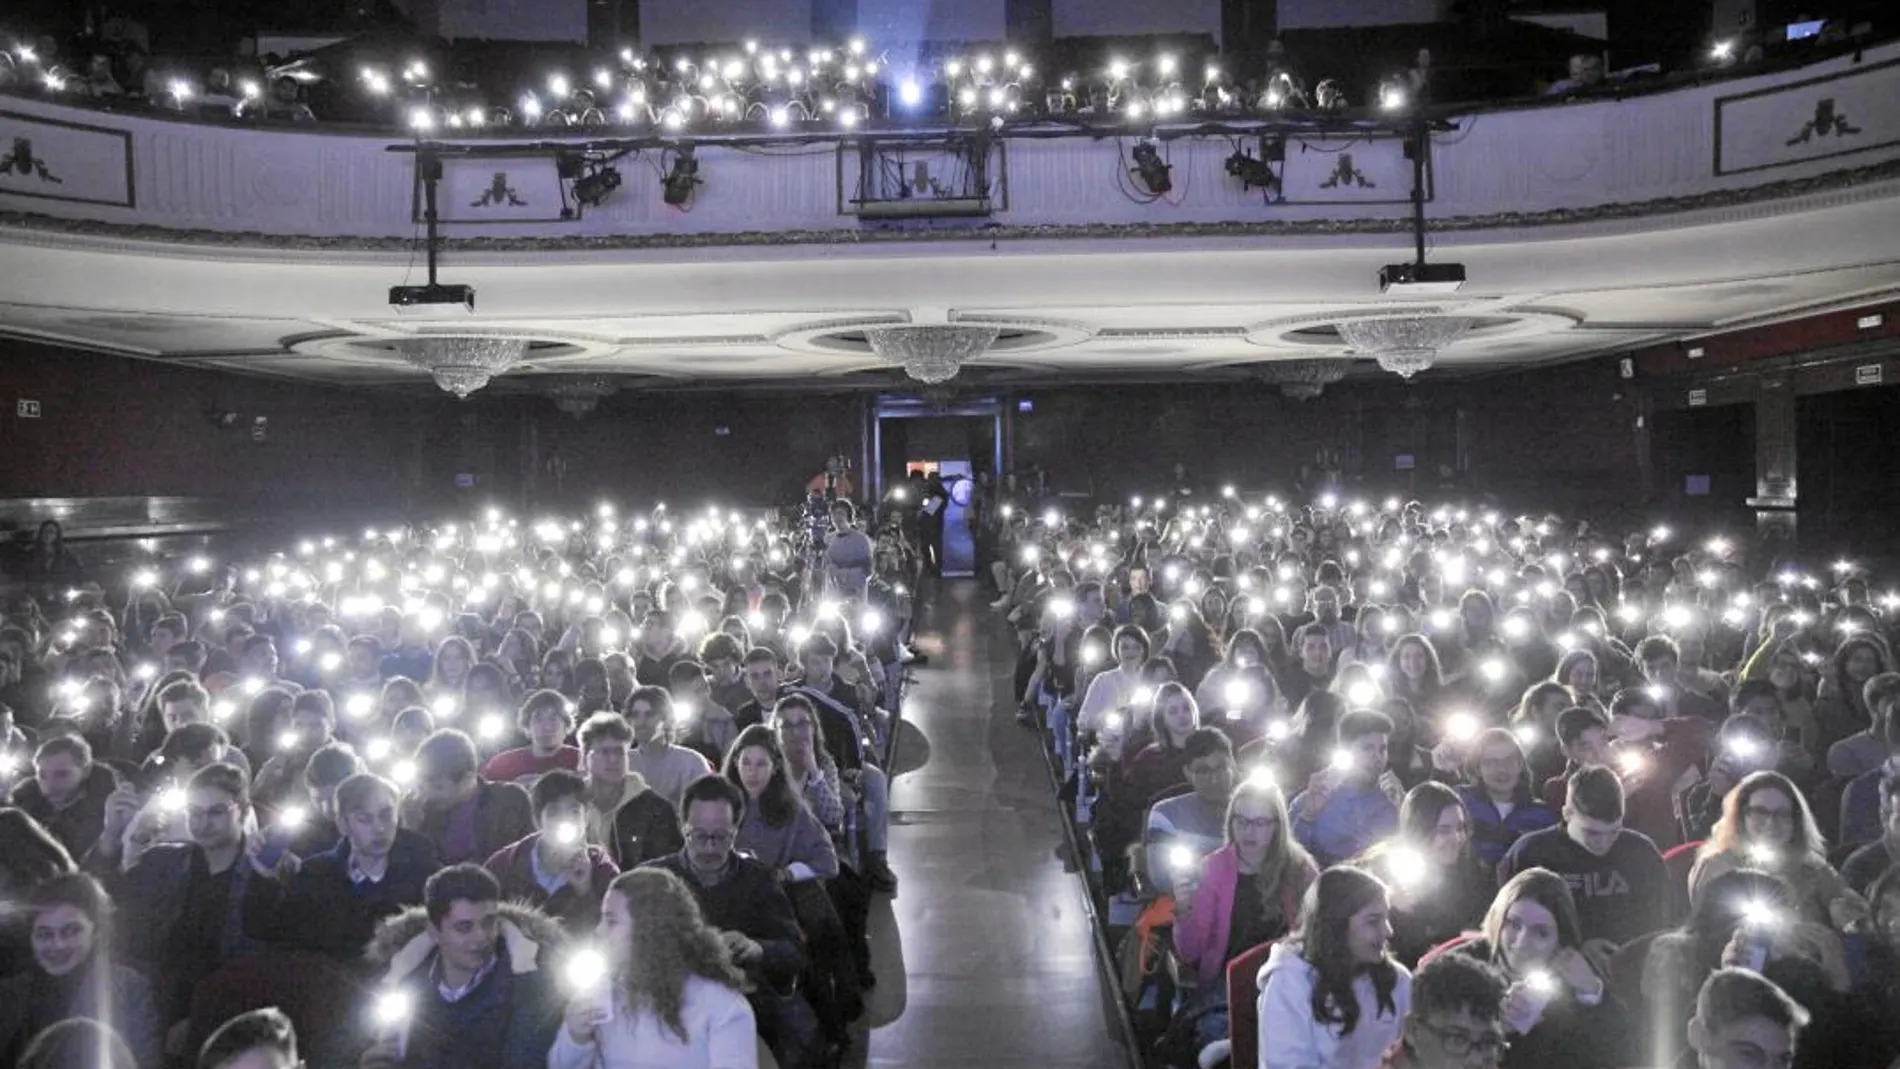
[{"x": 1127, "y": 307}]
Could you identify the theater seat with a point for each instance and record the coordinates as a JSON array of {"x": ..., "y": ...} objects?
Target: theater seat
[
  {"x": 1679, "y": 860},
  {"x": 1448, "y": 945},
  {"x": 1626, "y": 969},
  {"x": 1243, "y": 1005},
  {"x": 313, "y": 990}
]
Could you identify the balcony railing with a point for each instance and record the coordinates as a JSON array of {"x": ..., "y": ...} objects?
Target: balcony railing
[{"x": 1831, "y": 125}]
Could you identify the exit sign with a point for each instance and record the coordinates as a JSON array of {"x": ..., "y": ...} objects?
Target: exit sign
[{"x": 26, "y": 409}]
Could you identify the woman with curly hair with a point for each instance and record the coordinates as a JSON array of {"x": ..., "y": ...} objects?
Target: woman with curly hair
[{"x": 672, "y": 998}]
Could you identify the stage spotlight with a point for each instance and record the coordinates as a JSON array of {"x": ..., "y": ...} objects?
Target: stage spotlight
[
  {"x": 596, "y": 186},
  {"x": 1149, "y": 167},
  {"x": 684, "y": 177},
  {"x": 1253, "y": 173},
  {"x": 910, "y": 94}
]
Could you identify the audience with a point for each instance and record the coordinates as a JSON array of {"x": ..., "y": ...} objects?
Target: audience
[
  {"x": 1349, "y": 805},
  {"x": 1548, "y": 721},
  {"x": 260, "y": 1039},
  {"x": 1245, "y": 893},
  {"x": 1438, "y": 885},
  {"x": 741, "y": 897},
  {"x": 332, "y": 902}
]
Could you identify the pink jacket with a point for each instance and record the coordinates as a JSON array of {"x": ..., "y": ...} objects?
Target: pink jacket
[{"x": 1202, "y": 937}]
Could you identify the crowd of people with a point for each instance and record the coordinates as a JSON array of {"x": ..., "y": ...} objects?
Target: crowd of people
[
  {"x": 747, "y": 87},
  {"x": 1388, "y": 784},
  {"x": 604, "y": 792}
]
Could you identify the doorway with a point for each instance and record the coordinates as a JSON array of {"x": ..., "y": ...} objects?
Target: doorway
[
  {"x": 1705, "y": 462},
  {"x": 953, "y": 441},
  {"x": 1849, "y": 470}
]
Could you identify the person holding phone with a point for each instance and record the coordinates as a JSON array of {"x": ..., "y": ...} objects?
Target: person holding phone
[
  {"x": 332, "y": 902},
  {"x": 1349, "y": 804},
  {"x": 1746, "y": 920},
  {"x": 1766, "y": 825},
  {"x": 464, "y": 985},
  {"x": 671, "y": 997},
  {"x": 1557, "y": 1010},
  {"x": 1243, "y": 894}
]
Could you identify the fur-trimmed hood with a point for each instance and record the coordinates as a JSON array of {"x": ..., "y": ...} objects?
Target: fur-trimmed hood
[{"x": 402, "y": 942}]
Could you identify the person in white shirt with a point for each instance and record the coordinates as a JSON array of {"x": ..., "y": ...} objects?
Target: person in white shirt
[
  {"x": 1110, "y": 690},
  {"x": 1334, "y": 997},
  {"x": 670, "y": 997}
]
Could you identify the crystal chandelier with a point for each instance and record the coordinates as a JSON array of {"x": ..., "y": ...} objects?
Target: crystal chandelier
[
  {"x": 1403, "y": 345},
  {"x": 931, "y": 354},
  {"x": 1303, "y": 380},
  {"x": 462, "y": 364},
  {"x": 578, "y": 395}
]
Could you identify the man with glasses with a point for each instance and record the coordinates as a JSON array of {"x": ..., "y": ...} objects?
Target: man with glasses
[
  {"x": 1196, "y": 819},
  {"x": 332, "y": 902},
  {"x": 1457, "y": 1018},
  {"x": 182, "y": 903},
  {"x": 740, "y": 896}
]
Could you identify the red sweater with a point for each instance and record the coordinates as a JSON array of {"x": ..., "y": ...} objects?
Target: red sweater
[
  {"x": 511, "y": 765},
  {"x": 1650, "y": 796},
  {"x": 513, "y": 868}
]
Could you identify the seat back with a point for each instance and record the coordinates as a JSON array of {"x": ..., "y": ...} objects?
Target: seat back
[
  {"x": 1626, "y": 969},
  {"x": 315, "y": 991},
  {"x": 1243, "y": 1005},
  {"x": 1679, "y": 860},
  {"x": 1447, "y": 946}
]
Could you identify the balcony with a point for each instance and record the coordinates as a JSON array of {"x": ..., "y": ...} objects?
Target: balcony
[{"x": 1589, "y": 226}]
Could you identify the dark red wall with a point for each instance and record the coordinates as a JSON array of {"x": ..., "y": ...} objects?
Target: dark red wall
[
  {"x": 111, "y": 426},
  {"x": 1566, "y": 434}
]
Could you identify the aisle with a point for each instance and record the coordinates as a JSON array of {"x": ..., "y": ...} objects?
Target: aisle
[{"x": 998, "y": 967}]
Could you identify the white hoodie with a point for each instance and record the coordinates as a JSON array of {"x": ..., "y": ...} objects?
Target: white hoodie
[{"x": 1291, "y": 1039}]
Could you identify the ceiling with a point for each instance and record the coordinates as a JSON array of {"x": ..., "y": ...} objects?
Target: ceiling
[{"x": 1131, "y": 308}]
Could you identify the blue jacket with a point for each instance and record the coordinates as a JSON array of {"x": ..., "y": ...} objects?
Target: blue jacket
[
  {"x": 1491, "y": 834},
  {"x": 1354, "y": 818},
  {"x": 507, "y": 1022}
]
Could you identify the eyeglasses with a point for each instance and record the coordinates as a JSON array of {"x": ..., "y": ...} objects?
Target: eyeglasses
[
  {"x": 709, "y": 838},
  {"x": 1491, "y": 1045},
  {"x": 1780, "y": 816},
  {"x": 1255, "y": 823}
]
